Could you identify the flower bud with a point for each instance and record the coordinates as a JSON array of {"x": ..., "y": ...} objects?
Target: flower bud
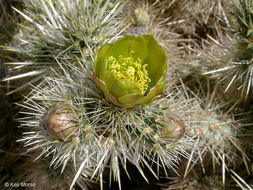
[
  {"x": 172, "y": 128},
  {"x": 61, "y": 122}
]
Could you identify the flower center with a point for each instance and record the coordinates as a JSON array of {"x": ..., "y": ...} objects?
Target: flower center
[{"x": 129, "y": 69}]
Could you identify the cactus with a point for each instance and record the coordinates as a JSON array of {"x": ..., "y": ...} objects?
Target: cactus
[
  {"x": 8, "y": 19},
  {"x": 73, "y": 121},
  {"x": 219, "y": 132},
  {"x": 218, "y": 135},
  {"x": 8, "y": 26},
  {"x": 106, "y": 95},
  {"x": 62, "y": 30},
  {"x": 236, "y": 72}
]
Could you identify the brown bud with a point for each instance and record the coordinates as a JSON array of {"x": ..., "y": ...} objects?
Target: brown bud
[
  {"x": 172, "y": 128},
  {"x": 61, "y": 122}
]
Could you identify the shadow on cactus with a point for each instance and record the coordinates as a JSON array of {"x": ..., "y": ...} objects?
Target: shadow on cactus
[
  {"x": 42, "y": 176},
  {"x": 72, "y": 119}
]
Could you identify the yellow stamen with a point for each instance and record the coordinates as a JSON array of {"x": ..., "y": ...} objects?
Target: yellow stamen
[{"x": 130, "y": 69}]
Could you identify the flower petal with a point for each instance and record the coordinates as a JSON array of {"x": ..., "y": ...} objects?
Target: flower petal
[
  {"x": 123, "y": 87},
  {"x": 156, "y": 61},
  {"x": 129, "y": 100},
  {"x": 153, "y": 94},
  {"x": 130, "y": 46},
  {"x": 100, "y": 63}
]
